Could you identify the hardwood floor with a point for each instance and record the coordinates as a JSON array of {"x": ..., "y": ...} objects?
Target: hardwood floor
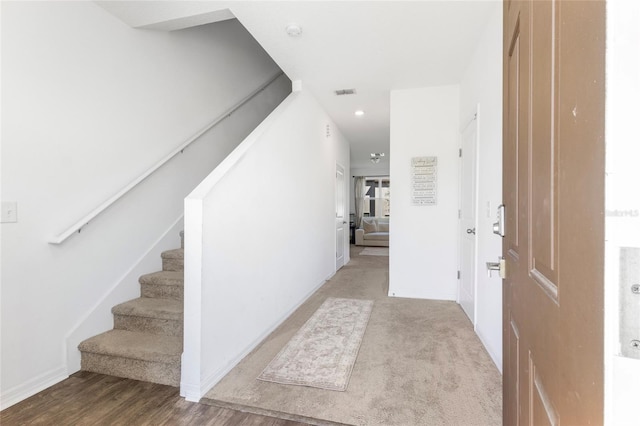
[{"x": 95, "y": 399}]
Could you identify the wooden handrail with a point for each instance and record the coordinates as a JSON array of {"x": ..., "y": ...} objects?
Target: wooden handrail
[{"x": 84, "y": 221}]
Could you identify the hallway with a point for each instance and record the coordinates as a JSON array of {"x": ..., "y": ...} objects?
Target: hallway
[{"x": 420, "y": 363}]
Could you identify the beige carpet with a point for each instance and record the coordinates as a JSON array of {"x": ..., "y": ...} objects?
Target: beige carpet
[
  {"x": 420, "y": 363},
  {"x": 322, "y": 353},
  {"x": 375, "y": 251}
]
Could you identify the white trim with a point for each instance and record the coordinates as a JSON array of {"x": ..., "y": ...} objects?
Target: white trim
[
  {"x": 32, "y": 386},
  {"x": 190, "y": 391},
  {"x": 190, "y": 378},
  {"x": 497, "y": 360}
]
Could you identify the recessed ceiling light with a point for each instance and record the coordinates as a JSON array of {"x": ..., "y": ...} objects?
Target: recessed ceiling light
[
  {"x": 294, "y": 30},
  {"x": 359, "y": 113}
]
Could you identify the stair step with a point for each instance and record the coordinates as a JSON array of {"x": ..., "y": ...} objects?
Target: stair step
[
  {"x": 139, "y": 356},
  {"x": 163, "y": 285},
  {"x": 146, "y": 343},
  {"x": 148, "y": 315},
  {"x": 173, "y": 260},
  {"x": 134, "y": 345}
]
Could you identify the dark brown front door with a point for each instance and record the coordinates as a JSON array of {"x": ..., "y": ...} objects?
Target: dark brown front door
[{"x": 553, "y": 165}]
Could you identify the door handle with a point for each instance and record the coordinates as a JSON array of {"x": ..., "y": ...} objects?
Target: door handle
[
  {"x": 471, "y": 231},
  {"x": 500, "y": 266}
]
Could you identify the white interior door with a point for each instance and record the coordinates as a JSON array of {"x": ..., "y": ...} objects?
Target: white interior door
[
  {"x": 340, "y": 218},
  {"x": 467, "y": 283}
]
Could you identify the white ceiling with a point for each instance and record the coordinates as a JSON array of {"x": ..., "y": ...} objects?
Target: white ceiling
[{"x": 372, "y": 46}]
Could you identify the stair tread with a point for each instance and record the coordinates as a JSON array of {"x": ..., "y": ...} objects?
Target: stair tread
[
  {"x": 173, "y": 254},
  {"x": 151, "y": 308},
  {"x": 163, "y": 278},
  {"x": 135, "y": 345}
]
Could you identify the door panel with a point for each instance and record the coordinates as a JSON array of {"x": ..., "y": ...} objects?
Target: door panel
[
  {"x": 542, "y": 411},
  {"x": 553, "y": 189},
  {"x": 543, "y": 157},
  {"x": 511, "y": 152}
]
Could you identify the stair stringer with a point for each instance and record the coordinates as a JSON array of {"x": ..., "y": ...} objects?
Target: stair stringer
[{"x": 99, "y": 318}]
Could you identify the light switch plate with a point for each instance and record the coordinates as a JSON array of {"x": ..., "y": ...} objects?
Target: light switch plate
[{"x": 9, "y": 212}]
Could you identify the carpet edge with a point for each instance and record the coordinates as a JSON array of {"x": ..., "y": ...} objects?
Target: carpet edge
[{"x": 270, "y": 413}]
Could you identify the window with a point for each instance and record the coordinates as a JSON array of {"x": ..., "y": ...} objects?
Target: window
[{"x": 377, "y": 197}]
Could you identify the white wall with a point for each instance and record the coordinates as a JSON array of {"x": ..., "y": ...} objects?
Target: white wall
[
  {"x": 374, "y": 170},
  {"x": 423, "y": 243},
  {"x": 481, "y": 88},
  {"x": 260, "y": 238},
  {"x": 622, "y": 222},
  {"x": 88, "y": 104}
]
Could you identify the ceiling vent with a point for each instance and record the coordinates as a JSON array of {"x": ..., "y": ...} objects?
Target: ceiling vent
[{"x": 343, "y": 92}]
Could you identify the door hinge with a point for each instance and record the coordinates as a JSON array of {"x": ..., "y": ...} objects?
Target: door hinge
[
  {"x": 458, "y": 274},
  {"x": 460, "y": 152}
]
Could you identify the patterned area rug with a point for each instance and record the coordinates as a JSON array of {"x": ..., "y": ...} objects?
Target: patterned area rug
[
  {"x": 322, "y": 353},
  {"x": 375, "y": 251}
]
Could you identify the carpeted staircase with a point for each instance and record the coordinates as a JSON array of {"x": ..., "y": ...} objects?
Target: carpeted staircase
[{"x": 146, "y": 342}]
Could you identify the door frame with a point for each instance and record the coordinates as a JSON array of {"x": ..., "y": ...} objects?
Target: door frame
[{"x": 622, "y": 374}]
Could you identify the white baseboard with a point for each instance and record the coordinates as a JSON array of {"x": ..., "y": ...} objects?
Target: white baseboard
[
  {"x": 193, "y": 392},
  {"x": 331, "y": 275},
  {"x": 190, "y": 392},
  {"x": 32, "y": 387},
  {"x": 497, "y": 360}
]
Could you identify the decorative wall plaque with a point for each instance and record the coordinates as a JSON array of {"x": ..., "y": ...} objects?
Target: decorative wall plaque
[{"x": 424, "y": 181}]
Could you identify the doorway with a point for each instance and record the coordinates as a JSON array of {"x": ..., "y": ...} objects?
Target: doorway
[
  {"x": 468, "y": 222},
  {"x": 341, "y": 221}
]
